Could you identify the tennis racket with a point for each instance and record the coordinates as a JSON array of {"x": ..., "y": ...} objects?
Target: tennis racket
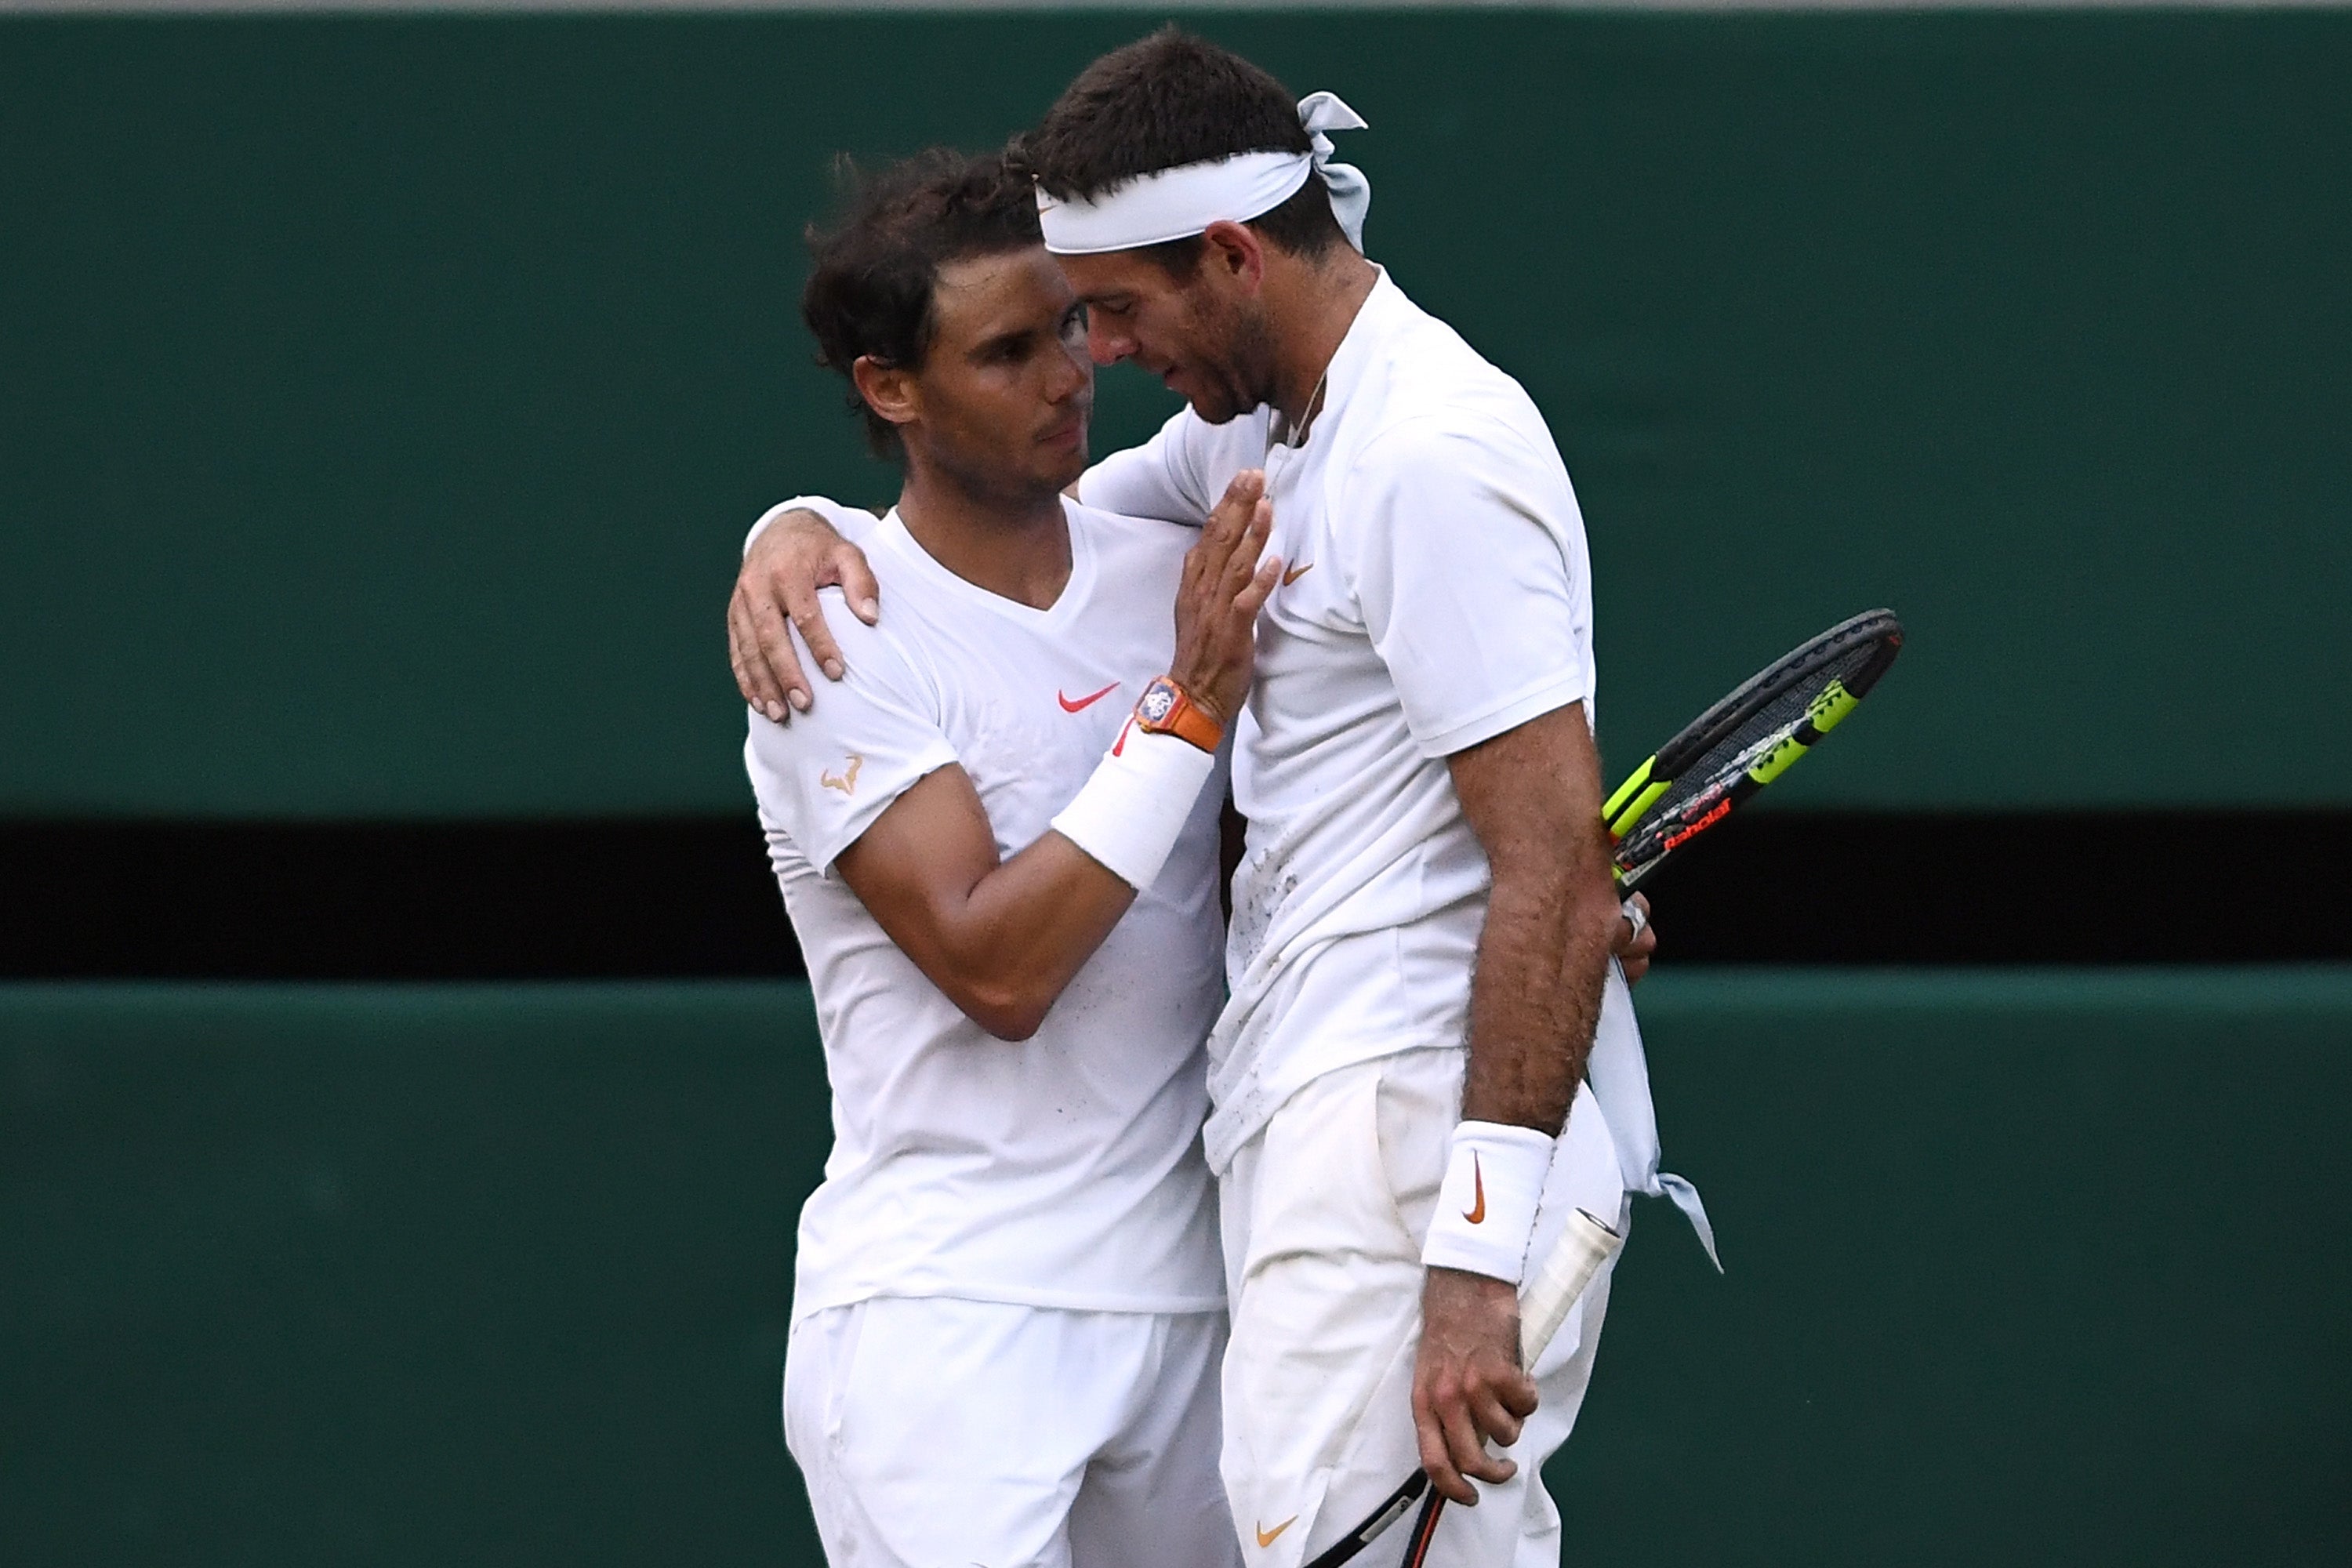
[
  {"x": 1544, "y": 1303},
  {"x": 1719, "y": 760},
  {"x": 1713, "y": 764}
]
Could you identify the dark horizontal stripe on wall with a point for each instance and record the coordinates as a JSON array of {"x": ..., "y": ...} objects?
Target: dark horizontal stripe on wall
[
  {"x": 2125, "y": 887},
  {"x": 689, "y": 896},
  {"x": 692, "y": 897}
]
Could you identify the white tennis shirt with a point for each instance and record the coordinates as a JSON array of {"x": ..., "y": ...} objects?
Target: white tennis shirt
[
  {"x": 1063, "y": 1171},
  {"x": 1437, "y": 594}
]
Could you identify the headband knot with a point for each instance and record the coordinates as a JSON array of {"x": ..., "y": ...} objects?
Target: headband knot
[{"x": 1177, "y": 203}]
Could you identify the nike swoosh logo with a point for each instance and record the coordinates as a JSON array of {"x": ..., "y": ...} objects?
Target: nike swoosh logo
[
  {"x": 1268, "y": 1537},
  {"x": 1476, "y": 1212},
  {"x": 1086, "y": 701},
  {"x": 1295, "y": 572}
]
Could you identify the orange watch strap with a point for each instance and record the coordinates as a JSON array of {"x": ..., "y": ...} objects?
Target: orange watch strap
[
  {"x": 1191, "y": 723},
  {"x": 1167, "y": 708}
]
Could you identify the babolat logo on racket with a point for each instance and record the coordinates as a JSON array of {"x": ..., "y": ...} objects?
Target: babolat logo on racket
[{"x": 1721, "y": 810}]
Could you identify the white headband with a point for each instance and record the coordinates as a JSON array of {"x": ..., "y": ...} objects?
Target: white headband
[{"x": 1175, "y": 204}]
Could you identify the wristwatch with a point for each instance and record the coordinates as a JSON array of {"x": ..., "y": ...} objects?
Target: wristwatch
[{"x": 1165, "y": 709}]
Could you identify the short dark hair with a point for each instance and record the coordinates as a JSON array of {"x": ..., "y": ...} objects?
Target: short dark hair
[
  {"x": 1169, "y": 100},
  {"x": 871, "y": 291}
]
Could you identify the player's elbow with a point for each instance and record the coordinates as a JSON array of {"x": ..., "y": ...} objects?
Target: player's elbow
[{"x": 1009, "y": 1011}]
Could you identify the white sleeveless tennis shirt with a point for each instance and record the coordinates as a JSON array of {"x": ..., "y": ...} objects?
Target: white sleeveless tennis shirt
[{"x": 1065, "y": 1170}]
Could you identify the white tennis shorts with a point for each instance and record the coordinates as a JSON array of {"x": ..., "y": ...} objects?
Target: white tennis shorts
[
  {"x": 1324, "y": 1213},
  {"x": 938, "y": 1433}
]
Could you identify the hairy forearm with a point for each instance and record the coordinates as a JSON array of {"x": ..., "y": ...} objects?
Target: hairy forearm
[
  {"x": 1535, "y": 995},
  {"x": 1532, "y": 796}
]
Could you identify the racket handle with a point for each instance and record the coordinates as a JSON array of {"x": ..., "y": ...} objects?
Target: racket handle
[{"x": 1582, "y": 1248}]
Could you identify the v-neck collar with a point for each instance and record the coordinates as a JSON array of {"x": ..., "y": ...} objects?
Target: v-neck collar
[
  {"x": 902, "y": 542},
  {"x": 1339, "y": 375}
]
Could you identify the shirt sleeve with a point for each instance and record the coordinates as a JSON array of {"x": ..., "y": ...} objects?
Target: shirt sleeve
[
  {"x": 1162, "y": 478},
  {"x": 825, "y": 777},
  {"x": 1472, "y": 575},
  {"x": 851, "y": 522}
]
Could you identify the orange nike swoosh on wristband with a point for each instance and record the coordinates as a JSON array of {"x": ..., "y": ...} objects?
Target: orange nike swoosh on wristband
[
  {"x": 1087, "y": 701},
  {"x": 1476, "y": 1212},
  {"x": 1295, "y": 572},
  {"x": 1268, "y": 1537}
]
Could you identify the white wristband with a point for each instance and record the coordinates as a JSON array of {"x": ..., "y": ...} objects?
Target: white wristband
[
  {"x": 1132, "y": 811},
  {"x": 1486, "y": 1206},
  {"x": 848, "y": 521}
]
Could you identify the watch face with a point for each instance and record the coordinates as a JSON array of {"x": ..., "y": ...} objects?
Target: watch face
[{"x": 1157, "y": 702}]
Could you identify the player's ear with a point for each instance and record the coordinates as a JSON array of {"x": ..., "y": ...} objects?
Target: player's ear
[
  {"x": 888, "y": 389},
  {"x": 1235, "y": 251}
]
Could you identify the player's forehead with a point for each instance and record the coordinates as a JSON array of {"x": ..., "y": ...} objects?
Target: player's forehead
[
  {"x": 978, "y": 297},
  {"x": 1115, "y": 274}
]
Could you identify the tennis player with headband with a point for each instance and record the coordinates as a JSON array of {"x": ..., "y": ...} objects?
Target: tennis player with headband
[{"x": 1428, "y": 1058}]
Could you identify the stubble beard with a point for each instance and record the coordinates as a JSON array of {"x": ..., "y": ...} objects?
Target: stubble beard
[
  {"x": 993, "y": 485},
  {"x": 1243, "y": 371}
]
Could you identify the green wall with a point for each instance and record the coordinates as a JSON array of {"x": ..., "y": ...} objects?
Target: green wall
[
  {"x": 2023, "y": 1268},
  {"x": 381, "y": 400}
]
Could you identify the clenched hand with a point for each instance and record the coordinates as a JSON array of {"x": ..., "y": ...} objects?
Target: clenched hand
[{"x": 1467, "y": 1385}]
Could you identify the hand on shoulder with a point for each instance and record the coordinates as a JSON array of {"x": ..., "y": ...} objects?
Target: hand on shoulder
[{"x": 789, "y": 557}]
